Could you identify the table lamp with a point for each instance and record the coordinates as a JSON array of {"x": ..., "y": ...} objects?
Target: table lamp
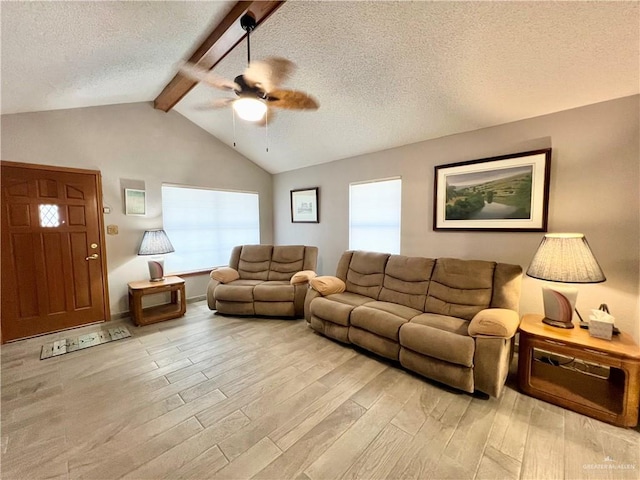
[
  {"x": 563, "y": 258},
  {"x": 155, "y": 242}
]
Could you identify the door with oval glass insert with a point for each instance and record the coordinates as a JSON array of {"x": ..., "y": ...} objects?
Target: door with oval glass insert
[{"x": 53, "y": 265}]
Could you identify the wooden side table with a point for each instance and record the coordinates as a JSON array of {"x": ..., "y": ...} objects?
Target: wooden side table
[
  {"x": 607, "y": 384},
  {"x": 158, "y": 313}
]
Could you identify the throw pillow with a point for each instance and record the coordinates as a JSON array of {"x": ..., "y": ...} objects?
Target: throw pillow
[
  {"x": 224, "y": 274},
  {"x": 327, "y": 285},
  {"x": 303, "y": 276}
]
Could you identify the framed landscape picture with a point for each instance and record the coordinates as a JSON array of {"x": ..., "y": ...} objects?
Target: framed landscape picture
[
  {"x": 304, "y": 205},
  {"x": 509, "y": 193}
]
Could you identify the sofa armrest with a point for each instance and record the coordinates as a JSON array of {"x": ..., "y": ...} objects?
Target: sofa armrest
[
  {"x": 494, "y": 322},
  {"x": 211, "y": 299},
  {"x": 310, "y": 296},
  {"x": 327, "y": 285},
  {"x": 302, "y": 276},
  {"x": 224, "y": 274}
]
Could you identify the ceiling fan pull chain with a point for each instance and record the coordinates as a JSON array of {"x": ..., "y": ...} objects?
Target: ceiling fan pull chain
[
  {"x": 233, "y": 116},
  {"x": 266, "y": 128}
]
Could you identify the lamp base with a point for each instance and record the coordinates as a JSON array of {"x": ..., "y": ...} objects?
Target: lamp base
[
  {"x": 559, "y": 304},
  {"x": 156, "y": 270},
  {"x": 557, "y": 323}
]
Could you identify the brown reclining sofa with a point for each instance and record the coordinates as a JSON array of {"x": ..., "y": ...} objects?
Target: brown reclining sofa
[
  {"x": 447, "y": 319},
  {"x": 258, "y": 281}
]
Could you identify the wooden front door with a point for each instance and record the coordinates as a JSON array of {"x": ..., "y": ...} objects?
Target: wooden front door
[{"x": 53, "y": 264}]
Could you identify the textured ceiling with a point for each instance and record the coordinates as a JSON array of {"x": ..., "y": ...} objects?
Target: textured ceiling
[{"x": 385, "y": 73}]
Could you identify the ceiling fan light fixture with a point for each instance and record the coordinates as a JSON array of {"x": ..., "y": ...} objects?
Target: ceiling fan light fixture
[{"x": 250, "y": 109}]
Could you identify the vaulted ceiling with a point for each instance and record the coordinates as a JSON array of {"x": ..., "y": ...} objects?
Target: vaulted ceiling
[{"x": 385, "y": 73}]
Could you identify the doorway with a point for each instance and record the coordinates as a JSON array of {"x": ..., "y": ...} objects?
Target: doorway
[{"x": 53, "y": 253}]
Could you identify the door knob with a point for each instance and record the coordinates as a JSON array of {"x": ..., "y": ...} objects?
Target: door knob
[{"x": 92, "y": 257}]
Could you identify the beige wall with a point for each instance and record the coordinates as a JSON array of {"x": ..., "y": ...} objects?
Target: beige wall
[
  {"x": 595, "y": 178},
  {"x": 133, "y": 144},
  {"x": 595, "y": 189}
]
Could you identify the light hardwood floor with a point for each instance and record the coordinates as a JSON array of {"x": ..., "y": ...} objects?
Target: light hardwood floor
[{"x": 207, "y": 396}]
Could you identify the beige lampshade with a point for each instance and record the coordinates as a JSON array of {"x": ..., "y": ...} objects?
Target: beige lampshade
[
  {"x": 155, "y": 242},
  {"x": 565, "y": 257}
]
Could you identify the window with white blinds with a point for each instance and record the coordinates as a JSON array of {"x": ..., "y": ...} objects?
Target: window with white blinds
[
  {"x": 204, "y": 225},
  {"x": 374, "y": 215}
]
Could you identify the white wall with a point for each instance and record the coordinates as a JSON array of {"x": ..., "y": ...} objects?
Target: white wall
[
  {"x": 133, "y": 144},
  {"x": 595, "y": 176}
]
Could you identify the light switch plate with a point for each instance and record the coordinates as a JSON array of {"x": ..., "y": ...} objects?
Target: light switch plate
[{"x": 112, "y": 229}]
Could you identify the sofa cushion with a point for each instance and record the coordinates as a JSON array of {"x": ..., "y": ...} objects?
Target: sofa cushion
[
  {"x": 285, "y": 261},
  {"x": 327, "y": 284},
  {"x": 224, "y": 274},
  {"x": 443, "y": 322},
  {"x": 401, "y": 311},
  {"x": 437, "y": 343},
  {"x": 382, "y": 318},
  {"x": 255, "y": 261},
  {"x": 365, "y": 273},
  {"x": 302, "y": 277},
  {"x": 235, "y": 308},
  {"x": 330, "y": 329},
  {"x": 460, "y": 288},
  {"x": 374, "y": 343},
  {"x": 332, "y": 311},
  {"x": 456, "y": 376},
  {"x": 236, "y": 291},
  {"x": 274, "y": 309},
  {"x": 274, "y": 291},
  {"x": 406, "y": 280},
  {"x": 350, "y": 298}
]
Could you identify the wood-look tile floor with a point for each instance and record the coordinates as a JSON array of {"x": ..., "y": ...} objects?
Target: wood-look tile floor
[{"x": 207, "y": 396}]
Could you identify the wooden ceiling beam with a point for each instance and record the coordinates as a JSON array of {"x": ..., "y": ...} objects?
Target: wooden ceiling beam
[{"x": 218, "y": 44}]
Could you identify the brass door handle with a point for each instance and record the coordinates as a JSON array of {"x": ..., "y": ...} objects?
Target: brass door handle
[{"x": 92, "y": 257}]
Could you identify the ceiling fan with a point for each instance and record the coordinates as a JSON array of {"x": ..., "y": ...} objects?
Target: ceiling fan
[{"x": 258, "y": 88}]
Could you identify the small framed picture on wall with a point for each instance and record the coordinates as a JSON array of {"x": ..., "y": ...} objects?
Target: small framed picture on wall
[
  {"x": 304, "y": 205},
  {"x": 135, "y": 202}
]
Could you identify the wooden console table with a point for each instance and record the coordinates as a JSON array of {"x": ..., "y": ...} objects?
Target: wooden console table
[
  {"x": 609, "y": 392},
  {"x": 158, "y": 313}
]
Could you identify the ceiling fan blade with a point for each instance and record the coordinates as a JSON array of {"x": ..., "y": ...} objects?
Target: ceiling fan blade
[
  {"x": 195, "y": 72},
  {"x": 293, "y": 100},
  {"x": 269, "y": 73},
  {"x": 215, "y": 103}
]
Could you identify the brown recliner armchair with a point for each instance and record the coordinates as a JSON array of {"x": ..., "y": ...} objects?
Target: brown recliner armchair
[{"x": 258, "y": 281}]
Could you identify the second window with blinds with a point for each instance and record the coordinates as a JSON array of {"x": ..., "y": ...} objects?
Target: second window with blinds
[{"x": 374, "y": 215}]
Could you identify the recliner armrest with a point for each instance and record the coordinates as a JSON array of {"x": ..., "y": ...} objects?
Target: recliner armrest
[
  {"x": 309, "y": 297},
  {"x": 224, "y": 274},
  {"x": 327, "y": 285},
  {"x": 302, "y": 276},
  {"x": 494, "y": 322}
]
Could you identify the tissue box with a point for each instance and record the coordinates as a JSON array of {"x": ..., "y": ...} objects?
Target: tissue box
[{"x": 600, "y": 329}]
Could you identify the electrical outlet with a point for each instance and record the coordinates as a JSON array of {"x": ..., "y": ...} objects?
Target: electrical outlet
[{"x": 112, "y": 229}]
